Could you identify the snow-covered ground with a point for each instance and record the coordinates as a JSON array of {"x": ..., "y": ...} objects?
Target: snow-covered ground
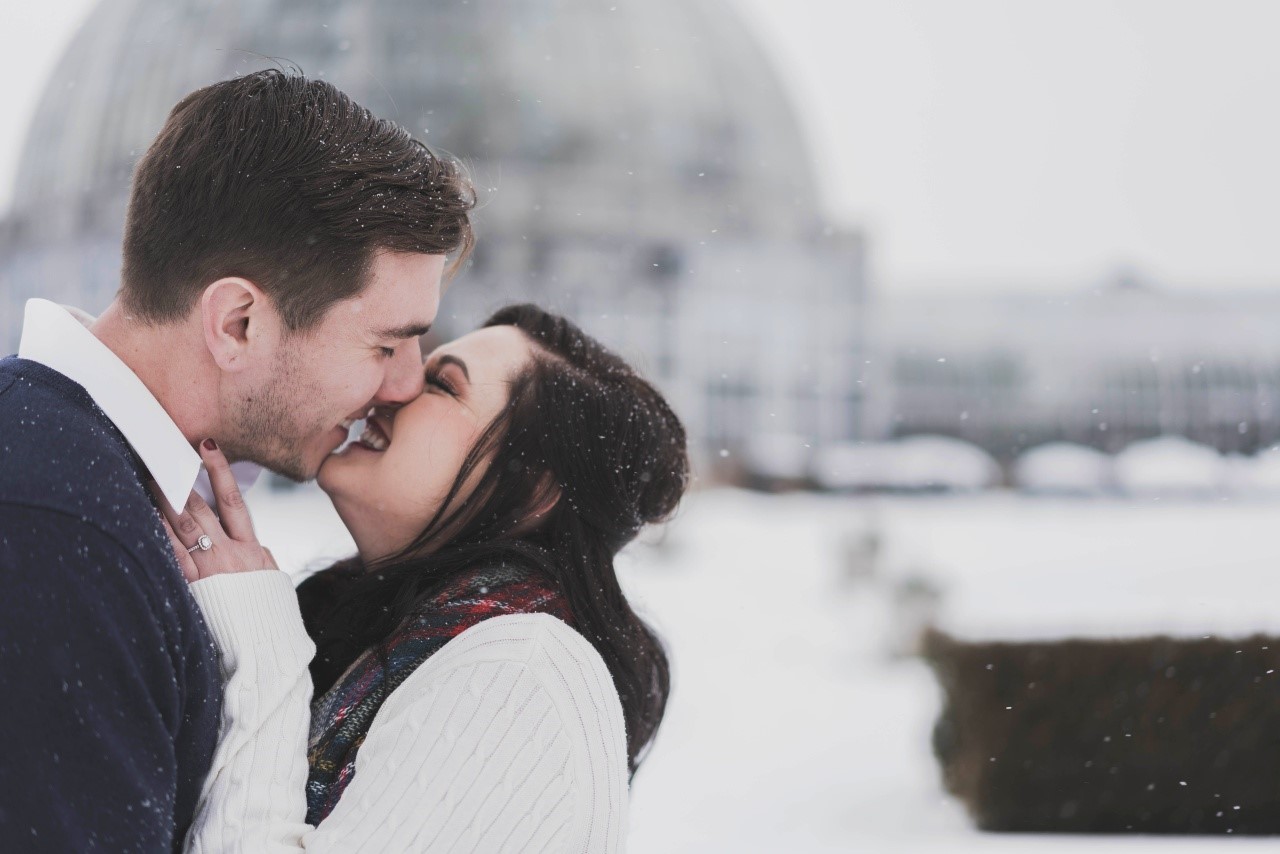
[{"x": 795, "y": 725}]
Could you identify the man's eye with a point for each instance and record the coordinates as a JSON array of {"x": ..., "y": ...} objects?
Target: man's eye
[{"x": 387, "y": 352}]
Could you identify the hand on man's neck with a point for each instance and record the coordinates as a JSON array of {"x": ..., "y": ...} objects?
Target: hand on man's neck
[{"x": 172, "y": 362}]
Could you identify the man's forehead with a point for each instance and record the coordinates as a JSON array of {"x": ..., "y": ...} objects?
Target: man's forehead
[
  {"x": 412, "y": 329},
  {"x": 401, "y": 299},
  {"x": 407, "y": 315},
  {"x": 403, "y": 319}
]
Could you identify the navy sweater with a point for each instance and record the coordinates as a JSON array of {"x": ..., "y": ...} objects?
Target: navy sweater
[{"x": 109, "y": 683}]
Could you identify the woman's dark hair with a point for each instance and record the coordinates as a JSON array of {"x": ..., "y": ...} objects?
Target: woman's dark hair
[{"x": 582, "y": 430}]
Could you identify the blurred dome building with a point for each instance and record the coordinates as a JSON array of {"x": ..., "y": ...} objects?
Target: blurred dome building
[{"x": 641, "y": 168}]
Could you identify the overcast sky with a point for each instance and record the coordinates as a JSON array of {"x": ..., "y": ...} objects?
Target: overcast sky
[{"x": 985, "y": 143}]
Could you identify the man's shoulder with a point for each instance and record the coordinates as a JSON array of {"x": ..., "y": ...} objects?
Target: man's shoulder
[
  {"x": 39, "y": 406},
  {"x": 58, "y": 451}
]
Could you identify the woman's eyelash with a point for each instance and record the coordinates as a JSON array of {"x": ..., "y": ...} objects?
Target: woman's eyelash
[
  {"x": 438, "y": 382},
  {"x": 387, "y": 352}
]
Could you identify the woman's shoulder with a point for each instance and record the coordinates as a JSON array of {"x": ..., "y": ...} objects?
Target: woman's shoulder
[
  {"x": 546, "y": 649},
  {"x": 524, "y": 695},
  {"x": 522, "y": 634}
]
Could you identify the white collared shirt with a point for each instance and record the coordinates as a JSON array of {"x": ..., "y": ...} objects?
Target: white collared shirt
[{"x": 56, "y": 339}]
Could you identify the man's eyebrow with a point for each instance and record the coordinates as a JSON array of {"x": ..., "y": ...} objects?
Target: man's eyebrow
[
  {"x": 446, "y": 359},
  {"x": 409, "y": 330}
]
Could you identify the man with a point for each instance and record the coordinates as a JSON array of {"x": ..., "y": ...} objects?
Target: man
[{"x": 283, "y": 251}]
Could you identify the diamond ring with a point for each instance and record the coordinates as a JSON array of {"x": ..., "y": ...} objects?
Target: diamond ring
[{"x": 203, "y": 544}]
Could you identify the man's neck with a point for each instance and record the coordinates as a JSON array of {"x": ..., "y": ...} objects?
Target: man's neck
[{"x": 164, "y": 359}]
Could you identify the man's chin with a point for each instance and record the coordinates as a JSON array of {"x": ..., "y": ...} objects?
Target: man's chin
[
  {"x": 294, "y": 467},
  {"x": 306, "y": 470},
  {"x": 298, "y": 461},
  {"x": 297, "y": 476}
]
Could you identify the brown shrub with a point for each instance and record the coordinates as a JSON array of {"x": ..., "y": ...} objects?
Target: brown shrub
[{"x": 1152, "y": 735}]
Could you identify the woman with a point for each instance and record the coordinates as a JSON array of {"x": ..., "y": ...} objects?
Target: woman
[{"x": 480, "y": 681}]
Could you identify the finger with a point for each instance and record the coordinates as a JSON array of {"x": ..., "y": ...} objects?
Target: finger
[
  {"x": 185, "y": 562},
  {"x": 205, "y": 519},
  {"x": 183, "y": 526},
  {"x": 231, "y": 507},
  {"x": 271, "y": 559}
]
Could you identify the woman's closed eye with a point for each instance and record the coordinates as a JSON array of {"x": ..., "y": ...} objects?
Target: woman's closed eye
[
  {"x": 447, "y": 373},
  {"x": 436, "y": 379}
]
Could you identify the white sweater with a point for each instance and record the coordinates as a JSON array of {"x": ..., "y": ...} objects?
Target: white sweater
[{"x": 509, "y": 738}]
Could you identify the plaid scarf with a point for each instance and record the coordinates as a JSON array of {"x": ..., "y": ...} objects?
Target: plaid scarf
[{"x": 340, "y": 719}]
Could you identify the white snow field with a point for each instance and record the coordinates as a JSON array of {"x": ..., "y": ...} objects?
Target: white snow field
[{"x": 797, "y": 724}]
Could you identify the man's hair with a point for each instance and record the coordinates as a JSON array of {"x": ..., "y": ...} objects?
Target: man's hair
[{"x": 289, "y": 183}]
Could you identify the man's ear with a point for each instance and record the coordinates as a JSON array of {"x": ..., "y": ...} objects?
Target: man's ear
[{"x": 234, "y": 315}]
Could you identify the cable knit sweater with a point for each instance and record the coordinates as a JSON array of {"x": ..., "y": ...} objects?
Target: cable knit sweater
[
  {"x": 509, "y": 738},
  {"x": 340, "y": 719}
]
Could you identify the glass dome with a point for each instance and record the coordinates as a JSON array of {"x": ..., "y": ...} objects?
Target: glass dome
[{"x": 648, "y": 117}]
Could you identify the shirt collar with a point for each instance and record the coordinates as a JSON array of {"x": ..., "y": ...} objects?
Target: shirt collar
[{"x": 55, "y": 339}]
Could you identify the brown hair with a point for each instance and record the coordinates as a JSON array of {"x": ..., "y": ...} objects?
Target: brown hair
[{"x": 289, "y": 183}]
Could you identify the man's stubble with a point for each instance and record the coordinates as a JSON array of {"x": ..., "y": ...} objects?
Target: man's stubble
[{"x": 271, "y": 427}]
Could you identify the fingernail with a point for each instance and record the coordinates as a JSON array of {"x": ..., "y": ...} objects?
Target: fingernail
[{"x": 210, "y": 445}]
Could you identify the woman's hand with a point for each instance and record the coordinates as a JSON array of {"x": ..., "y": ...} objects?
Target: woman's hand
[{"x": 232, "y": 545}]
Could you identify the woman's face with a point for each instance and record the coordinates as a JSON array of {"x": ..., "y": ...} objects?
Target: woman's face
[{"x": 388, "y": 485}]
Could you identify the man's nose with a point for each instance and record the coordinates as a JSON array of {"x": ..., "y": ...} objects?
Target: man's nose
[{"x": 403, "y": 381}]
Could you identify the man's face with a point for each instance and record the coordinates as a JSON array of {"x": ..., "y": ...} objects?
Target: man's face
[{"x": 289, "y": 415}]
